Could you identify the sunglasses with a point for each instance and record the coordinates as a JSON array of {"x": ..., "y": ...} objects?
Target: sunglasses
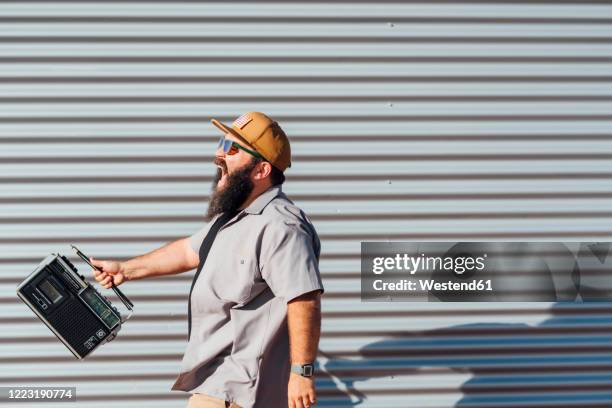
[{"x": 230, "y": 148}]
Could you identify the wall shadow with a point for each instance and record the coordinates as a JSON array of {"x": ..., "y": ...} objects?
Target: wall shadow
[{"x": 564, "y": 359}]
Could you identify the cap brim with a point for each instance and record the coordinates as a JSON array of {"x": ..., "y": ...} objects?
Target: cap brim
[
  {"x": 226, "y": 129},
  {"x": 221, "y": 126}
]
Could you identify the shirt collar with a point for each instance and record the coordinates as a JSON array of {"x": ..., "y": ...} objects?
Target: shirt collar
[{"x": 257, "y": 206}]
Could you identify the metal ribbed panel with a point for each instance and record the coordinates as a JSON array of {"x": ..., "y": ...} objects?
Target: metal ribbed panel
[{"x": 428, "y": 121}]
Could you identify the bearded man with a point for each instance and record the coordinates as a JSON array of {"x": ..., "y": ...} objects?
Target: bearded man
[{"x": 254, "y": 313}]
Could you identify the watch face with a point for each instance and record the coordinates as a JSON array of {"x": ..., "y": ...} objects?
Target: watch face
[{"x": 308, "y": 370}]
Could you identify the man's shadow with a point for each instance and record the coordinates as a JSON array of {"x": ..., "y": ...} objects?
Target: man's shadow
[{"x": 565, "y": 357}]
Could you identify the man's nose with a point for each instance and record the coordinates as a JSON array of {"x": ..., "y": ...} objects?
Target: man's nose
[{"x": 219, "y": 153}]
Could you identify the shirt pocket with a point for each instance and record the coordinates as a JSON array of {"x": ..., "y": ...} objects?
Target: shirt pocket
[{"x": 233, "y": 278}]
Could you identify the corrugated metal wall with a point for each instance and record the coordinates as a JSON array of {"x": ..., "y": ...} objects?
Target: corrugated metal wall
[{"x": 437, "y": 120}]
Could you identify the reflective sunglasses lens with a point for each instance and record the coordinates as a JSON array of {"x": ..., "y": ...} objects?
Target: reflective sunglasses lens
[
  {"x": 226, "y": 144},
  {"x": 229, "y": 148},
  {"x": 232, "y": 150}
]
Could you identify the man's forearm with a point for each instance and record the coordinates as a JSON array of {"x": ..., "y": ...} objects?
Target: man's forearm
[
  {"x": 304, "y": 321},
  {"x": 175, "y": 257}
]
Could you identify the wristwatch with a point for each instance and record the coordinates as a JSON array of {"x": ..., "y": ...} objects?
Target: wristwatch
[{"x": 305, "y": 370}]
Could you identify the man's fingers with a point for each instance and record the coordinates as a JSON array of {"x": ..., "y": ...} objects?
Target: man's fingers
[
  {"x": 313, "y": 398},
  {"x": 107, "y": 282},
  {"x": 104, "y": 273},
  {"x": 306, "y": 401}
]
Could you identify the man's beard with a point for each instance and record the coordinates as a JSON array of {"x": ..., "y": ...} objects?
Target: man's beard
[{"x": 238, "y": 186}]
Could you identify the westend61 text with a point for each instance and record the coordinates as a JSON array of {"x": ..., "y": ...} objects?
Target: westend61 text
[{"x": 430, "y": 284}]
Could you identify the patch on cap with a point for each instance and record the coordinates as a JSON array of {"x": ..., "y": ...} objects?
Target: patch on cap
[{"x": 242, "y": 121}]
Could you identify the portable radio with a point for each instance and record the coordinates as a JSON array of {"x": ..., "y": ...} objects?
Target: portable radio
[{"x": 72, "y": 309}]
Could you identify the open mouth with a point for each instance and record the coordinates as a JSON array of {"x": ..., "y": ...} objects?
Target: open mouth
[{"x": 221, "y": 171}]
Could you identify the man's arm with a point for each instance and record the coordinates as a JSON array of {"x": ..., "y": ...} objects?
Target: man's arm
[
  {"x": 304, "y": 322},
  {"x": 175, "y": 257}
]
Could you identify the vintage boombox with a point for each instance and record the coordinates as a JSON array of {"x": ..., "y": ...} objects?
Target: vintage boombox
[{"x": 73, "y": 309}]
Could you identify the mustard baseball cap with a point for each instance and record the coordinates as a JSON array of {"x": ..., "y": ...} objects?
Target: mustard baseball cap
[{"x": 264, "y": 135}]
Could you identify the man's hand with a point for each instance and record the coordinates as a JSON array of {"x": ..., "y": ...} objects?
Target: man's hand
[
  {"x": 301, "y": 391},
  {"x": 112, "y": 273}
]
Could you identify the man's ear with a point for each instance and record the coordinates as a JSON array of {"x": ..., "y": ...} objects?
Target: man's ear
[{"x": 263, "y": 170}]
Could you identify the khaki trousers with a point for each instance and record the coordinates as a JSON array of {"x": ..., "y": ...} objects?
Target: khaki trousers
[{"x": 206, "y": 401}]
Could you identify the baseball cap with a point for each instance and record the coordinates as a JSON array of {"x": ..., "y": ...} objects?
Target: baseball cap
[{"x": 264, "y": 135}]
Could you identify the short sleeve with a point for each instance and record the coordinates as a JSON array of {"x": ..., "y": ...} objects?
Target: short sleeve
[
  {"x": 198, "y": 237},
  {"x": 289, "y": 260}
]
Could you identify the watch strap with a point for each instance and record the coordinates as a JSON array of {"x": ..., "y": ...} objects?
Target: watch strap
[{"x": 305, "y": 370}]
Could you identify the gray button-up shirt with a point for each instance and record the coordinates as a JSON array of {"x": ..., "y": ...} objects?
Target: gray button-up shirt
[{"x": 265, "y": 256}]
